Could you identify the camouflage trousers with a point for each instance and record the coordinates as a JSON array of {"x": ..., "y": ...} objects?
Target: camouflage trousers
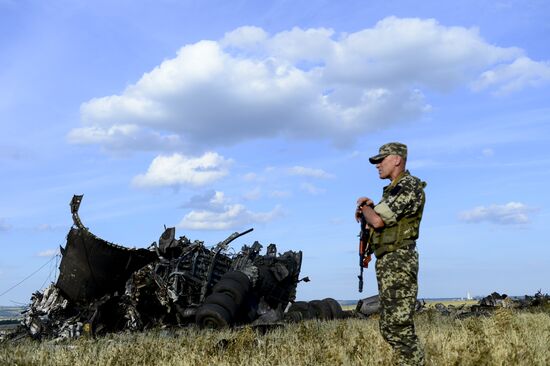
[{"x": 397, "y": 276}]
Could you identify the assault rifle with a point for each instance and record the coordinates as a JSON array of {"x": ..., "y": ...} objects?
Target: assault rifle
[{"x": 365, "y": 250}]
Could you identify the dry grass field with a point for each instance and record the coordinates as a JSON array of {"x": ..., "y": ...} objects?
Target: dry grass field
[{"x": 505, "y": 338}]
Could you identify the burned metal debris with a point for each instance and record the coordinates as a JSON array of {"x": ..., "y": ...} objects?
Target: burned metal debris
[
  {"x": 485, "y": 306},
  {"x": 103, "y": 287},
  {"x": 371, "y": 305},
  {"x": 325, "y": 309}
]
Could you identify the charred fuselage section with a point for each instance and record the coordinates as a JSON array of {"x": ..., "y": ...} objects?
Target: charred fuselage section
[{"x": 92, "y": 267}]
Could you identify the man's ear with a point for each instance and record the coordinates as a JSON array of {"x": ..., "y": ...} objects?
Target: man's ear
[{"x": 398, "y": 159}]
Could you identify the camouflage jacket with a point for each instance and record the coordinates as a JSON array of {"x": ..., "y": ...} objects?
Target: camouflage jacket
[{"x": 404, "y": 197}]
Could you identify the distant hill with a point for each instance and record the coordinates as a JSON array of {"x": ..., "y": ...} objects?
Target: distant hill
[
  {"x": 427, "y": 299},
  {"x": 11, "y": 312}
]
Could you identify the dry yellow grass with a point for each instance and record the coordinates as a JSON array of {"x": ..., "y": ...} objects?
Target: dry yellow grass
[{"x": 506, "y": 338}]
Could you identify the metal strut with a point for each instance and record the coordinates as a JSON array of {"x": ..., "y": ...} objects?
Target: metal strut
[{"x": 75, "y": 204}]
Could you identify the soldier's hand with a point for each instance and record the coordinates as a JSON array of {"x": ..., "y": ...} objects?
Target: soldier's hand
[
  {"x": 361, "y": 201},
  {"x": 358, "y": 214}
]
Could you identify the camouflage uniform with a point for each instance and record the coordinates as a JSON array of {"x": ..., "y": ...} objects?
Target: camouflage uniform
[{"x": 397, "y": 262}]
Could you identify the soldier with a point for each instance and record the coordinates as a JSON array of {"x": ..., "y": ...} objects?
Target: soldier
[{"x": 394, "y": 226}]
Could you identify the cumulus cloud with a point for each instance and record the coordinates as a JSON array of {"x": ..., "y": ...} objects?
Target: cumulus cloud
[
  {"x": 232, "y": 216},
  {"x": 246, "y": 37},
  {"x": 508, "y": 78},
  {"x": 177, "y": 170},
  {"x": 509, "y": 213},
  {"x": 309, "y": 172},
  {"x": 209, "y": 200},
  {"x": 302, "y": 83}
]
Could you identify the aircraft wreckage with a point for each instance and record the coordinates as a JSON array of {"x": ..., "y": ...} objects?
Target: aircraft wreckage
[{"x": 103, "y": 287}]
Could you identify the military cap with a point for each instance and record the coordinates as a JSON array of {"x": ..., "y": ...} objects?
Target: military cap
[{"x": 391, "y": 148}]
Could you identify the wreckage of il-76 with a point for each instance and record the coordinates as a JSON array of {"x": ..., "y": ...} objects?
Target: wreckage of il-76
[{"x": 103, "y": 287}]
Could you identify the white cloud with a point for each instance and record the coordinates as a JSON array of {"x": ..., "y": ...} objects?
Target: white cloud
[
  {"x": 233, "y": 216},
  {"x": 299, "y": 44},
  {"x": 280, "y": 194},
  {"x": 509, "y": 213},
  {"x": 508, "y": 78},
  {"x": 309, "y": 172},
  {"x": 354, "y": 155},
  {"x": 208, "y": 200},
  {"x": 415, "y": 51},
  {"x": 244, "y": 37},
  {"x": 253, "y": 195},
  {"x": 312, "y": 189},
  {"x": 421, "y": 163},
  {"x": 4, "y": 225},
  {"x": 488, "y": 152},
  {"x": 218, "y": 199},
  {"x": 48, "y": 253},
  {"x": 125, "y": 137},
  {"x": 177, "y": 169},
  {"x": 48, "y": 227},
  {"x": 251, "y": 177},
  {"x": 302, "y": 83}
]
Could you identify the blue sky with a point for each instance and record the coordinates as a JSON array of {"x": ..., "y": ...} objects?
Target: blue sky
[{"x": 216, "y": 116}]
